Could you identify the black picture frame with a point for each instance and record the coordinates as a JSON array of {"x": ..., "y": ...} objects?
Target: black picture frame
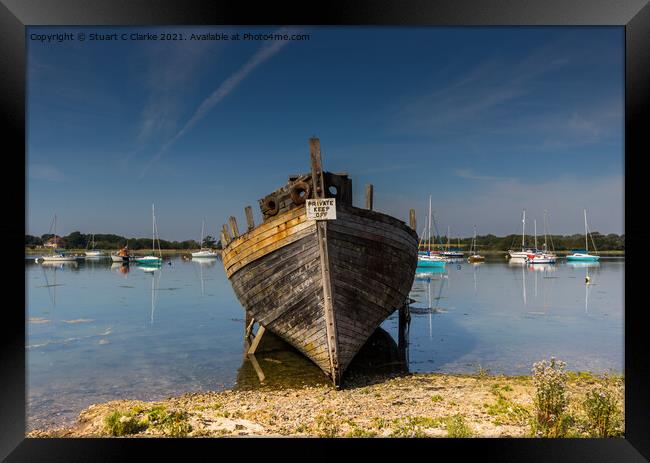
[{"x": 633, "y": 15}]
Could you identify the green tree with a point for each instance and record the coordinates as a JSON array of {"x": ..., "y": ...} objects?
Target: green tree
[{"x": 208, "y": 241}]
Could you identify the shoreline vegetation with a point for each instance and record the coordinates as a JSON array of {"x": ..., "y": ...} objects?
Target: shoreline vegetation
[
  {"x": 488, "y": 253},
  {"x": 486, "y": 244},
  {"x": 549, "y": 403}
]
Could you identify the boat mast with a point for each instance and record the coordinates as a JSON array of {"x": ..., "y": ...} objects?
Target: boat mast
[
  {"x": 202, "y": 227},
  {"x": 153, "y": 230},
  {"x": 586, "y": 243},
  {"x": 545, "y": 230},
  {"x": 535, "y": 222},
  {"x": 430, "y": 224},
  {"x": 448, "y": 239},
  {"x": 523, "y": 230},
  {"x": 55, "y": 240}
]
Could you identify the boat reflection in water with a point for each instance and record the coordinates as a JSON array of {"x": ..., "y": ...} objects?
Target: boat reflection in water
[
  {"x": 583, "y": 264},
  {"x": 122, "y": 268},
  {"x": 203, "y": 263},
  {"x": 276, "y": 364},
  {"x": 61, "y": 265}
]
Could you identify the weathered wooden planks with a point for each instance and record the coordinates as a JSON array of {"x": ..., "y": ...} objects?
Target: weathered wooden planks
[{"x": 323, "y": 286}]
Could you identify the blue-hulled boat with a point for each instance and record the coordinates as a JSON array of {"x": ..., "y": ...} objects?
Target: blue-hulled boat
[
  {"x": 582, "y": 255},
  {"x": 427, "y": 258}
]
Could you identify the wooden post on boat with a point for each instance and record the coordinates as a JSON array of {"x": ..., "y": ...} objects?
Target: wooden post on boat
[
  {"x": 226, "y": 235},
  {"x": 369, "y": 189},
  {"x": 404, "y": 319},
  {"x": 412, "y": 221},
  {"x": 321, "y": 230},
  {"x": 233, "y": 227},
  {"x": 249, "y": 218}
]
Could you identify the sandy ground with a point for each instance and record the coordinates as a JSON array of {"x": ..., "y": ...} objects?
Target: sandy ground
[{"x": 412, "y": 405}]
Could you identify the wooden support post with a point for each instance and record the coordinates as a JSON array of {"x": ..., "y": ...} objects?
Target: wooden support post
[
  {"x": 233, "y": 227},
  {"x": 257, "y": 368},
  {"x": 412, "y": 221},
  {"x": 223, "y": 240},
  {"x": 249, "y": 217},
  {"x": 250, "y": 321},
  {"x": 404, "y": 318},
  {"x": 321, "y": 229},
  {"x": 369, "y": 189},
  {"x": 257, "y": 339},
  {"x": 226, "y": 233}
]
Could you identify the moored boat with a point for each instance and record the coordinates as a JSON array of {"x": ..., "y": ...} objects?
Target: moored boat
[
  {"x": 474, "y": 256},
  {"x": 122, "y": 255},
  {"x": 151, "y": 259},
  {"x": 323, "y": 284},
  {"x": 94, "y": 253},
  {"x": 525, "y": 251},
  {"x": 582, "y": 255},
  {"x": 204, "y": 253},
  {"x": 428, "y": 258}
]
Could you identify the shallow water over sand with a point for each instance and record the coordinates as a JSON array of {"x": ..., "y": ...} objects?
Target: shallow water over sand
[{"x": 98, "y": 331}]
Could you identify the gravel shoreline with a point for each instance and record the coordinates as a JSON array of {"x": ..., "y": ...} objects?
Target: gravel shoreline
[{"x": 400, "y": 405}]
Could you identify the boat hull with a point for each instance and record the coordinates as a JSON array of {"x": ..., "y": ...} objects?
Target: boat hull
[
  {"x": 585, "y": 258},
  {"x": 59, "y": 259},
  {"x": 323, "y": 287},
  {"x": 205, "y": 255},
  {"x": 431, "y": 263}
]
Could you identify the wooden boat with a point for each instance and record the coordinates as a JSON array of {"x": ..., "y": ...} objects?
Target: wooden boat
[
  {"x": 122, "y": 255},
  {"x": 323, "y": 286}
]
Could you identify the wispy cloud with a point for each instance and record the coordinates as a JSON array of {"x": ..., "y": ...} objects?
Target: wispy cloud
[
  {"x": 470, "y": 175},
  {"x": 226, "y": 87},
  {"x": 45, "y": 172}
]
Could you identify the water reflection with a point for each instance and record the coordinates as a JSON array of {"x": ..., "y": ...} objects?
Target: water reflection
[
  {"x": 521, "y": 314},
  {"x": 120, "y": 267},
  {"x": 277, "y": 364},
  {"x": 203, "y": 264}
]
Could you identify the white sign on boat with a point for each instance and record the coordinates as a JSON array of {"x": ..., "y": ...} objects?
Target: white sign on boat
[{"x": 321, "y": 209}]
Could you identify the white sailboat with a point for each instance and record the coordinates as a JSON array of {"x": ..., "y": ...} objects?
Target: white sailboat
[
  {"x": 152, "y": 259},
  {"x": 541, "y": 257},
  {"x": 58, "y": 255},
  {"x": 523, "y": 254},
  {"x": 94, "y": 252},
  {"x": 474, "y": 256},
  {"x": 427, "y": 259},
  {"x": 451, "y": 253},
  {"x": 582, "y": 255},
  {"x": 204, "y": 253}
]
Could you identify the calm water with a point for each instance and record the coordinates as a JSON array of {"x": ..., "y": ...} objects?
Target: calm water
[{"x": 97, "y": 331}]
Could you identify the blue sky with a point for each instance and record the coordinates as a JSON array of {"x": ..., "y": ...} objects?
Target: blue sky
[{"x": 487, "y": 120}]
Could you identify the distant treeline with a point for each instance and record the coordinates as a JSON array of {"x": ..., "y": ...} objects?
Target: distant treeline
[
  {"x": 610, "y": 242},
  {"x": 78, "y": 240}
]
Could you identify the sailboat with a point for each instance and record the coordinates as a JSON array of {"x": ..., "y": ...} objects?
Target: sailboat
[
  {"x": 427, "y": 259},
  {"x": 58, "y": 255},
  {"x": 204, "y": 252},
  {"x": 474, "y": 256},
  {"x": 541, "y": 257},
  {"x": 582, "y": 255},
  {"x": 451, "y": 253},
  {"x": 523, "y": 254},
  {"x": 94, "y": 252},
  {"x": 152, "y": 259}
]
